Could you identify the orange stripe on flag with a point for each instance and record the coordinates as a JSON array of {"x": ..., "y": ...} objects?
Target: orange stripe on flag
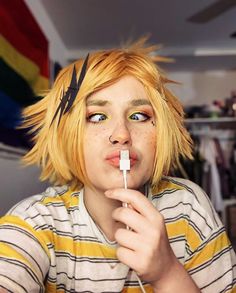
[{"x": 19, "y": 27}]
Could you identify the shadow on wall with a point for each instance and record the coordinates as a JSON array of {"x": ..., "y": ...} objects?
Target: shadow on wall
[{"x": 17, "y": 182}]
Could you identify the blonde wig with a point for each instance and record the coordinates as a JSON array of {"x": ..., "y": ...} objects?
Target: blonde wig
[{"x": 58, "y": 148}]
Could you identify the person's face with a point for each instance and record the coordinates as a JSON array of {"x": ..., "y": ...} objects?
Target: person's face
[{"x": 122, "y": 112}]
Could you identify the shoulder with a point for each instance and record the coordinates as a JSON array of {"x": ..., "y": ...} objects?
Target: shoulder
[
  {"x": 185, "y": 197},
  {"x": 54, "y": 202},
  {"x": 182, "y": 188}
]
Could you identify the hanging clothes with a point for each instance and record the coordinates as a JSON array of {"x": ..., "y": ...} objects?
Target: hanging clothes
[{"x": 209, "y": 152}]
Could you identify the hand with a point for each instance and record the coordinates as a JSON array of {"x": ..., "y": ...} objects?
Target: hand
[{"x": 145, "y": 248}]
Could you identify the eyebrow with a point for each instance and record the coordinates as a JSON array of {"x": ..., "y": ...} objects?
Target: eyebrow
[
  {"x": 134, "y": 102},
  {"x": 140, "y": 102},
  {"x": 97, "y": 103}
]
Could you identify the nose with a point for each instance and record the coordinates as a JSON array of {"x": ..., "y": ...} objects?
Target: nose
[{"x": 120, "y": 135}]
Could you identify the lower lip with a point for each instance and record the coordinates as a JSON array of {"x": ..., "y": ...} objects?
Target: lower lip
[{"x": 116, "y": 162}]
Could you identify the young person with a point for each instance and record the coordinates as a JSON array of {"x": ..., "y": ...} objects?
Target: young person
[{"x": 106, "y": 135}]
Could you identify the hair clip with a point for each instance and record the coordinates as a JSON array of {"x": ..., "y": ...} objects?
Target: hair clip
[{"x": 69, "y": 96}]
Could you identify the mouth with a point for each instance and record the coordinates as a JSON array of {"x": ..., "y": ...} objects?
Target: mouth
[{"x": 113, "y": 159}]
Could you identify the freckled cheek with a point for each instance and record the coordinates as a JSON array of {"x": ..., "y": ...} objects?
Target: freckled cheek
[
  {"x": 151, "y": 140},
  {"x": 96, "y": 134},
  {"x": 148, "y": 137},
  {"x": 146, "y": 142}
]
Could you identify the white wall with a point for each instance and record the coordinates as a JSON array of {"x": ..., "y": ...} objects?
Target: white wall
[
  {"x": 17, "y": 182},
  {"x": 197, "y": 87},
  {"x": 200, "y": 88},
  {"x": 57, "y": 50}
]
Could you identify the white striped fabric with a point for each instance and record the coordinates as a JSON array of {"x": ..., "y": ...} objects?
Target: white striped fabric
[{"x": 49, "y": 243}]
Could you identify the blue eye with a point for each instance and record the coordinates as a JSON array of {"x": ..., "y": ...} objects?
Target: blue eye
[
  {"x": 97, "y": 117},
  {"x": 139, "y": 116}
]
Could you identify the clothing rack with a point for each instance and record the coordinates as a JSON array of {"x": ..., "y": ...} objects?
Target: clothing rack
[
  {"x": 223, "y": 129},
  {"x": 213, "y": 123},
  {"x": 220, "y": 134}
]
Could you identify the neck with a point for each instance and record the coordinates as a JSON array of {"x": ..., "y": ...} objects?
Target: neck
[{"x": 100, "y": 209}]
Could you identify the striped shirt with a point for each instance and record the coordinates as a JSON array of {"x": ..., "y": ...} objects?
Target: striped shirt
[{"x": 48, "y": 242}]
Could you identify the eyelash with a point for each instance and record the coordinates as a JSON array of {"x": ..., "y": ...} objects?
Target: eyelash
[{"x": 146, "y": 117}]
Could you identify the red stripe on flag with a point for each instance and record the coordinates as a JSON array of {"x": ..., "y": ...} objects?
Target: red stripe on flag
[{"x": 19, "y": 27}]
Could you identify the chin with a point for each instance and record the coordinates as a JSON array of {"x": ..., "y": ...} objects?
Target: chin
[{"x": 133, "y": 185}]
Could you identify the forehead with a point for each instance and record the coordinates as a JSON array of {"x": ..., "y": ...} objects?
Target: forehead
[{"x": 125, "y": 89}]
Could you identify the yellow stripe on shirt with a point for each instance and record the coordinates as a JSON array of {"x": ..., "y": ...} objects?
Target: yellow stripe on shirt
[
  {"x": 69, "y": 245},
  {"x": 16, "y": 221},
  {"x": 215, "y": 246},
  {"x": 182, "y": 228}
]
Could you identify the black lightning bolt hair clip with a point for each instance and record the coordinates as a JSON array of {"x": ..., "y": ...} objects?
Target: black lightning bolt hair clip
[{"x": 69, "y": 96}]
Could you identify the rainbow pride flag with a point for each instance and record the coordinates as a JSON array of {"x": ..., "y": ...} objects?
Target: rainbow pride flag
[{"x": 24, "y": 62}]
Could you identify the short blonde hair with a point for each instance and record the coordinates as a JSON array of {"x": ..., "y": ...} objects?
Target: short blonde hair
[{"x": 58, "y": 149}]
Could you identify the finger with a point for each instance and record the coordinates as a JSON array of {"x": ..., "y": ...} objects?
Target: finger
[
  {"x": 149, "y": 233},
  {"x": 129, "y": 258},
  {"x": 128, "y": 239},
  {"x": 136, "y": 199},
  {"x": 132, "y": 219}
]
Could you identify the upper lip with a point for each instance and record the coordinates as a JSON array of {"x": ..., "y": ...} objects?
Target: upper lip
[{"x": 116, "y": 154}]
